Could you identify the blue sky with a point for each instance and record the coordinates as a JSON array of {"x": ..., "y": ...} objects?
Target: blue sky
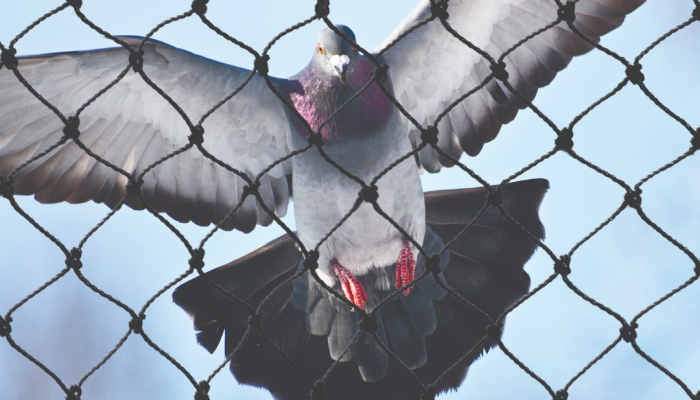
[{"x": 627, "y": 266}]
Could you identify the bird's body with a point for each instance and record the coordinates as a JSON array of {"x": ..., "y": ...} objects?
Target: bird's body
[
  {"x": 323, "y": 196},
  {"x": 364, "y": 139},
  {"x": 430, "y": 72}
]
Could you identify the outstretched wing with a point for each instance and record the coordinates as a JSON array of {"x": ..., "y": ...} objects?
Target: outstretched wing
[
  {"x": 430, "y": 68},
  {"x": 132, "y": 127}
]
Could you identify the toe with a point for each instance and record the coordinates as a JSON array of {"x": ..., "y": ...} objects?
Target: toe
[
  {"x": 352, "y": 288},
  {"x": 405, "y": 267}
]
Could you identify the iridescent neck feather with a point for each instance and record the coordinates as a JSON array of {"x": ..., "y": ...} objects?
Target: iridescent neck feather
[{"x": 317, "y": 94}]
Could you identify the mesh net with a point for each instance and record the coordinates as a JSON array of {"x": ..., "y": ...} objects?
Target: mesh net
[{"x": 562, "y": 263}]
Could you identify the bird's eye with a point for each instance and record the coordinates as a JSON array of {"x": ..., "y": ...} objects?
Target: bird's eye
[{"x": 320, "y": 49}]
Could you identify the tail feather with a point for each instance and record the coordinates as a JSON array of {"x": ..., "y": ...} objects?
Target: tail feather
[
  {"x": 249, "y": 278},
  {"x": 370, "y": 358},
  {"x": 404, "y": 338},
  {"x": 493, "y": 241},
  {"x": 422, "y": 313},
  {"x": 256, "y": 361},
  {"x": 345, "y": 326},
  {"x": 320, "y": 318},
  {"x": 485, "y": 266}
]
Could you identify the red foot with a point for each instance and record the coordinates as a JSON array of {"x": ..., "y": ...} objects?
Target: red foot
[
  {"x": 405, "y": 267},
  {"x": 352, "y": 288}
]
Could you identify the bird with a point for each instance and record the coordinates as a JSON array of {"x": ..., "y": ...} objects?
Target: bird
[{"x": 262, "y": 141}]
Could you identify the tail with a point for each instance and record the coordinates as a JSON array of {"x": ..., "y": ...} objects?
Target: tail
[{"x": 485, "y": 267}]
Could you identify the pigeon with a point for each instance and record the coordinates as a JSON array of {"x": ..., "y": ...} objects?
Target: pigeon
[{"x": 334, "y": 138}]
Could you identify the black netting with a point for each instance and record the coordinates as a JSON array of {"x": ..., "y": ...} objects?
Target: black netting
[{"x": 564, "y": 141}]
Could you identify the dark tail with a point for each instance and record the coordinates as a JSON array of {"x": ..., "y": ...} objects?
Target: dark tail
[{"x": 485, "y": 267}]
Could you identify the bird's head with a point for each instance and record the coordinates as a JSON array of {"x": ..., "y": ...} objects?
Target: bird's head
[{"x": 333, "y": 54}]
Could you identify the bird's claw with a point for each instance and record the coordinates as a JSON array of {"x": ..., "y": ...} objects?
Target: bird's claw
[
  {"x": 352, "y": 287},
  {"x": 405, "y": 267}
]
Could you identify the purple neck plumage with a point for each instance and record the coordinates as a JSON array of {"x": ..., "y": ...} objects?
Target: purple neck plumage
[{"x": 317, "y": 95}]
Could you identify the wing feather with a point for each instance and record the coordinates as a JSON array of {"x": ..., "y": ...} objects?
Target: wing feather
[
  {"x": 132, "y": 126},
  {"x": 430, "y": 69}
]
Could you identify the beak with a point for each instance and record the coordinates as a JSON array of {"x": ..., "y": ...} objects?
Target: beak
[{"x": 340, "y": 64}]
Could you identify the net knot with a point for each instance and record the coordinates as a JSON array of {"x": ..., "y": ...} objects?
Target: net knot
[
  {"x": 255, "y": 321},
  {"x": 564, "y": 140},
  {"x": 634, "y": 199},
  {"x": 696, "y": 15},
  {"x": 311, "y": 262},
  {"x": 8, "y": 58},
  {"x": 438, "y": 8},
  {"x": 7, "y": 189},
  {"x": 316, "y": 139},
  {"x": 317, "y": 391},
  {"x": 368, "y": 324},
  {"x": 251, "y": 189},
  {"x": 322, "y": 8},
  {"x": 5, "y": 328},
  {"x": 74, "y": 393},
  {"x": 202, "y": 391},
  {"x": 563, "y": 265},
  {"x": 628, "y": 332},
  {"x": 261, "y": 64},
  {"x": 634, "y": 73},
  {"x": 432, "y": 264},
  {"x": 494, "y": 331},
  {"x": 567, "y": 11},
  {"x": 136, "y": 60},
  {"x": 561, "y": 395},
  {"x": 369, "y": 194},
  {"x": 381, "y": 74},
  {"x": 499, "y": 71},
  {"x": 133, "y": 188},
  {"x": 197, "y": 260},
  {"x": 695, "y": 141},
  {"x": 428, "y": 393},
  {"x": 495, "y": 198},
  {"x": 71, "y": 130},
  {"x": 75, "y": 3},
  {"x": 697, "y": 269},
  {"x": 199, "y": 7},
  {"x": 73, "y": 260},
  {"x": 196, "y": 137},
  {"x": 136, "y": 324},
  {"x": 429, "y": 135}
]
